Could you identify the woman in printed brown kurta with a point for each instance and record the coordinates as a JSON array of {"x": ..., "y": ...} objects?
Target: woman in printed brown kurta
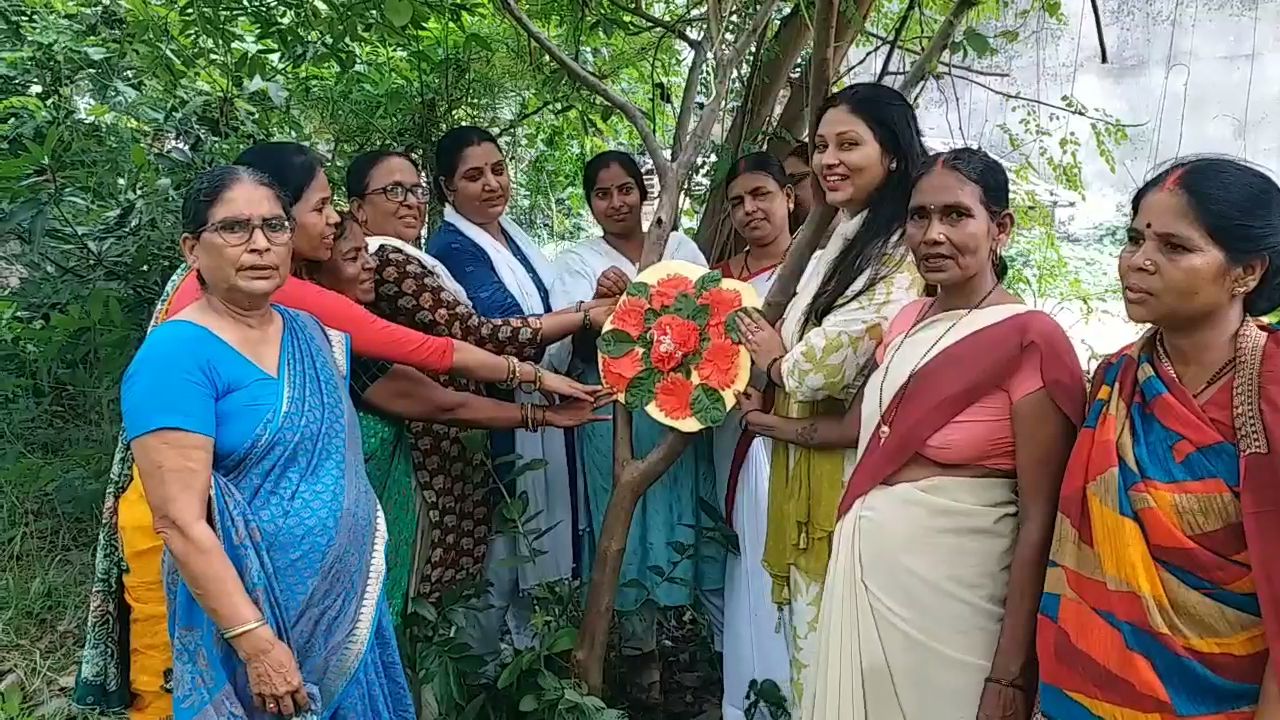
[{"x": 389, "y": 200}]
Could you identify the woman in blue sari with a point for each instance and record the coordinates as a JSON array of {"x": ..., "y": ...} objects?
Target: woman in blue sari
[{"x": 249, "y": 452}]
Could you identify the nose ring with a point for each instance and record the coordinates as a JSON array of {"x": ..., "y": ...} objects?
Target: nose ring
[{"x": 1148, "y": 264}]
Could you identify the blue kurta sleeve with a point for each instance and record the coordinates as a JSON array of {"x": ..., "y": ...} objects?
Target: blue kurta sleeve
[
  {"x": 165, "y": 388},
  {"x": 475, "y": 272}
]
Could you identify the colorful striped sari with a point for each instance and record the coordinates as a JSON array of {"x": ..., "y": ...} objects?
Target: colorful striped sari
[{"x": 1161, "y": 598}]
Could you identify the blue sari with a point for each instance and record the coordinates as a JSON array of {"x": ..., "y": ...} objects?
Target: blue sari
[{"x": 300, "y": 522}]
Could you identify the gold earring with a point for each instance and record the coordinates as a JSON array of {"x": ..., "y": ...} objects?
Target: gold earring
[{"x": 1237, "y": 291}]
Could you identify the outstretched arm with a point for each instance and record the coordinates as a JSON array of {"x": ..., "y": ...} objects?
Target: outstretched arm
[{"x": 406, "y": 393}]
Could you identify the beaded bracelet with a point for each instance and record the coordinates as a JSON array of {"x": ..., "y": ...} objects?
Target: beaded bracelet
[{"x": 535, "y": 384}]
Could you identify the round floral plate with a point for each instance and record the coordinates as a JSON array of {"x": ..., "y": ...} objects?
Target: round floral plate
[{"x": 670, "y": 347}]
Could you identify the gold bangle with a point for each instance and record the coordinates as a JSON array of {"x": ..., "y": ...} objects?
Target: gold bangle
[
  {"x": 513, "y": 374},
  {"x": 237, "y": 631}
]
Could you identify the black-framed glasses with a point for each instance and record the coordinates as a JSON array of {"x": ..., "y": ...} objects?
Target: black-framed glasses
[
  {"x": 798, "y": 177},
  {"x": 397, "y": 193},
  {"x": 237, "y": 231}
]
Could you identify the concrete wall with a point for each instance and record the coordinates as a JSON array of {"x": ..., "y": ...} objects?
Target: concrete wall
[{"x": 1197, "y": 75}]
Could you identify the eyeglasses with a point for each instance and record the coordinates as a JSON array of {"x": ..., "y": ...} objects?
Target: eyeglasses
[
  {"x": 798, "y": 177},
  {"x": 237, "y": 231},
  {"x": 398, "y": 193}
]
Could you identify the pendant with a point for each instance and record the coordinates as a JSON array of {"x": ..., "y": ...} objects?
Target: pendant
[{"x": 884, "y": 432}]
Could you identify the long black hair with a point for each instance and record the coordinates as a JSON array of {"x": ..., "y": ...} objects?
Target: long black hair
[
  {"x": 870, "y": 253},
  {"x": 1238, "y": 206},
  {"x": 291, "y": 166},
  {"x": 450, "y": 148},
  {"x": 596, "y": 165},
  {"x": 363, "y": 165},
  {"x": 758, "y": 162},
  {"x": 987, "y": 174}
]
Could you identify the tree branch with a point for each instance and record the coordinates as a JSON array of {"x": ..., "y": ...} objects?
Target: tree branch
[
  {"x": 674, "y": 28},
  {"x": 724, "y": 76},
  {"x": 1043, "y": 103},
  {"x": 941, "y": 63},
  {"x": 1097, "y": 24},
  {"x": 900, "y": 28},
  {"x": 820, "y": 217},
  {"x": 592, "y": 83},
  {"x": 688, "y": 99},
  {"x": 941, "y": 40}
]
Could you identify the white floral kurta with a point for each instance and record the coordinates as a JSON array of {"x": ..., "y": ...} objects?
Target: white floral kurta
[{"x": 821, "y": 372}]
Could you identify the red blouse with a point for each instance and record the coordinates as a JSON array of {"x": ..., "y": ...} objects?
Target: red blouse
[{"x": 371, "y": 336}]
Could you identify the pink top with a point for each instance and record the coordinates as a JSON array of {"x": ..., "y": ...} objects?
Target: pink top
[
  {"x": 371, "y": 336},
  {"x": 982, "y": 434}
]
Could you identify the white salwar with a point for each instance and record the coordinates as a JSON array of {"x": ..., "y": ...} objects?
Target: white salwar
[
  {"x": 547, "y": 489},
  {"x": 756, "y": 646}
]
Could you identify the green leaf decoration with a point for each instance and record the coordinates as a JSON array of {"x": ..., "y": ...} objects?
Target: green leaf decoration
[
  {"x": 701, "y": 315},
  {"x": 615, "y": 343},
  {"x": 638, "y": 289},
  {"x": 685, "y": 306},
  {"x": 707, "y": 281},
  {"x": 731, "y": 326},
  {"x": 650, "y": 317},
  {"x": 708, "y": 405},
  {"x": 642, "y": 388}
]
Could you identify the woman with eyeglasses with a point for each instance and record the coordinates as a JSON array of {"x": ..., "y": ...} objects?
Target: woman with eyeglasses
[
  {"x": 127, "y": 659},
  {"x": 388, "y": 201},
  {"x": 248, "y": 448}
]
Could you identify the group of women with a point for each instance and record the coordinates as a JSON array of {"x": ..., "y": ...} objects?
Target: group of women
[{"x": 937, "y": 516}]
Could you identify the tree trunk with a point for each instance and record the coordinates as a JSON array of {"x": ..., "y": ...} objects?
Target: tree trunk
[
  {"x": 941, "y": 40},
  {"x": 820, "y": 217},
  {"x": 715, "y": 235},
  {"x": 769, "y": 74}
]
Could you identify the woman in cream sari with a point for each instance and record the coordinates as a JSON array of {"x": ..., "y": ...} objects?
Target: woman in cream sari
[
  {"x": 866, "y": 149},
  {"x": 930, "y": 597}
]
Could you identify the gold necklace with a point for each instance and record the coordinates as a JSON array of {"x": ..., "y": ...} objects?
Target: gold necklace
[{"x": 887, "y": 414}]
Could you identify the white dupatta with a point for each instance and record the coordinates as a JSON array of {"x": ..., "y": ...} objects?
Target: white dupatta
[
  {"x": 442, "y": 273},
  {"x": 548, "y": 489}
]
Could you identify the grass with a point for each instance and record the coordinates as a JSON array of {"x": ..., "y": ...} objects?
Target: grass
[{"x": 46, "y": 557}]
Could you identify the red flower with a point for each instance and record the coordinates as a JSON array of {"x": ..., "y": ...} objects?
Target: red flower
[
  {"x": 722, "y": 301},
  {"x": 628, "y": 316},
  {"x": 673, "y": 339},
  {"x": 618, "y": 372},
  {"x": 719, "y": 365},
  {"x": 673, "y": 396},
  {"x": 668, "y": 289}
]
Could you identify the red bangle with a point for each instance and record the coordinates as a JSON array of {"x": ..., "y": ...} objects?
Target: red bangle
[{"x": 768, "y": 370}]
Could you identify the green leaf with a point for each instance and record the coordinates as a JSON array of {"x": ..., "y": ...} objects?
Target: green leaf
[
  {"x": 563, "y": 640},
  {"x": 708, "y": 405},
  {"x": 651, "y": 316},
  {"x": 642, "y": 388},
  {"x": 685, "y": 306},
  {"x": 702, "y": 316},
  {"x": 657, "y": 570},
  {"x": 707, "y": 281},
  {"x": 615, "y": 343},
  {"x": 638, "y": 289},
  {"x": 529, "y": 703},
  {"x": 399, "y": 12},
  {"x": 731, "y": 325},
  {"x": 979, "y": 43},
  {"x": 1053, "y": 8}
]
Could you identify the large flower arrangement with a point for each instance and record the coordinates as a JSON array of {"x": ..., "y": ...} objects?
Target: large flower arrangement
[{"x": 667, "y": 347}]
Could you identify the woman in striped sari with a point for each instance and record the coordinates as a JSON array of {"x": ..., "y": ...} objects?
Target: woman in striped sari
[{"x": 1163, "y": 592}]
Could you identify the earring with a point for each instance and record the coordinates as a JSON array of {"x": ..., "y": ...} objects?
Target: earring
[
  {"x": 893, "y": 165},
  {"x": 1237, "y": 291}
]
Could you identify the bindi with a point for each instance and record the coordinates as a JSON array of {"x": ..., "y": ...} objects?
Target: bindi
[{"x": 1148, "y": 226}]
